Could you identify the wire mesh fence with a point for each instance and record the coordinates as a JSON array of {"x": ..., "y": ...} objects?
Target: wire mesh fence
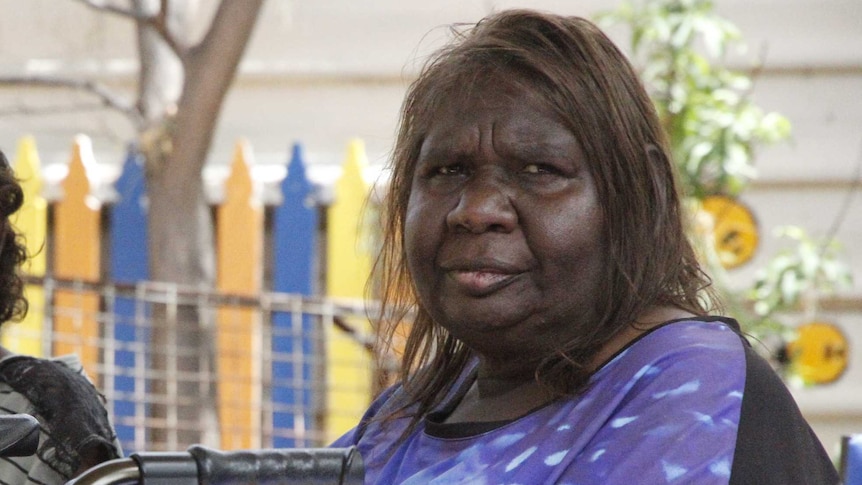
[{"x": 182, "y": 365}]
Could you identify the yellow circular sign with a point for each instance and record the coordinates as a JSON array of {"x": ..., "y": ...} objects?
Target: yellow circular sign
[
  {"x": 735, "y": 232},
  {"x": 819, "y": 354}
]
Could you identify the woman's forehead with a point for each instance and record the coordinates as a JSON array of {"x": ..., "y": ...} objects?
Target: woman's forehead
[
  {"x": 485, "y": 91},
  {"x": 502, "y": 94}
]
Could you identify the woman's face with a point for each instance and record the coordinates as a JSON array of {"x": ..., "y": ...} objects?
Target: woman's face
[{"x": 503, "y": 229}]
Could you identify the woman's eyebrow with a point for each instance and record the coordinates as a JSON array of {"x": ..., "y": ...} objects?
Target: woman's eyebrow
[
  {"x": 540, "y": 149},
  {"x": 447, "y": 151}
]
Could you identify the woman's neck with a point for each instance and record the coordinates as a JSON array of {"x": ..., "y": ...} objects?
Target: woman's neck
[
  {"x": 499, "y": 399},
  {"x": 508, "y": 390}
]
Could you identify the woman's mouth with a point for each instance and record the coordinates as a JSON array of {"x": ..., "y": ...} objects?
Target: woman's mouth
[{"x": 481, "y": 282}]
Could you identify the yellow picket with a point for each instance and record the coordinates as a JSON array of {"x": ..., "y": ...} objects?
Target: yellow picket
[
  {"x": 348, "y": 266},
  {"x": 31, "y": 221},
  {"x": 77, "y": 252},
  {"x": 240, "y": 263}
]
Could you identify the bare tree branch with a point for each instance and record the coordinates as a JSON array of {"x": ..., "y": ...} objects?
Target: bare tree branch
[
  {"x": 108, "y": 7},
  {"x": 158, "y": 21},
  {"x": 108, "y": 98}
]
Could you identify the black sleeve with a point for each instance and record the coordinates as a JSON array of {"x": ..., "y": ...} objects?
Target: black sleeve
[{"x": 774, "y": 444}]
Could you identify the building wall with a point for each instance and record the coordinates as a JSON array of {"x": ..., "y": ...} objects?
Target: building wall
[{"x": 323, "y": 72}]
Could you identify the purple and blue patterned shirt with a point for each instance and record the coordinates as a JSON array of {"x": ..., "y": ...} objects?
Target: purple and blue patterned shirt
[{"x": 666, "y": 409}]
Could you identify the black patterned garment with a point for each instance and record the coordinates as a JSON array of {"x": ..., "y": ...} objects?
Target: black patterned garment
[{"x": 75, "y": 431}]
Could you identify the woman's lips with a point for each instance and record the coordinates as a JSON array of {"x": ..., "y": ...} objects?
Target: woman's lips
[{"x": 481, "y": 282}]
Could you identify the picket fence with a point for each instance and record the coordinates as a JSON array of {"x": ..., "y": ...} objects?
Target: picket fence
[{"x": 236, "y": 366}]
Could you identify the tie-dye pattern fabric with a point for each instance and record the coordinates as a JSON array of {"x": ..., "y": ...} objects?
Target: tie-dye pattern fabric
[{"x": 665, "y": 410}]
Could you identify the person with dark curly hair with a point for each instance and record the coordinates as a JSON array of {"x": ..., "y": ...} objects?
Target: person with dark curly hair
[
  {"x": 75, "y": 432},
  {"x": 562, "y": 328}
]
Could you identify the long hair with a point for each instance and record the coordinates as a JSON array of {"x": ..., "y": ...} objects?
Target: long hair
[
  {"x": 13, "y": 253},
  {"x": 596, "y": 92}
]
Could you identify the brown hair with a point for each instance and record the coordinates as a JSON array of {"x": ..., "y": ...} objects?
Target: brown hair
[{"x": 594, "y": 89}]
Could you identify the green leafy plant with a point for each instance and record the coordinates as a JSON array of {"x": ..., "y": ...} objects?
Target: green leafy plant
[
  {"x": 714, "y": 127},
  {"x": 799, "y": 276},
  {"x": 715, "y": 130}
]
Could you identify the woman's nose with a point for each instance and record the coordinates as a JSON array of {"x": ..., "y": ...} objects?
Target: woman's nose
[{"x": 484, "y": 205}]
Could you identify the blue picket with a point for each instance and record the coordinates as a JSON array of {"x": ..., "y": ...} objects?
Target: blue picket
[
  {"x": 851, "y": 459},
  {"x": 294, "y": 242},
  {"x": 129, "y": 263}
]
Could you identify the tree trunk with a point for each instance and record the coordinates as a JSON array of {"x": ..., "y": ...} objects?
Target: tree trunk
[
  {"x": 181, "y": 243},
  {"x": 181, "y": 234}
]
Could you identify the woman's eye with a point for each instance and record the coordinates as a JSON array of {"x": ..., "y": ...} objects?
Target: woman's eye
[
  {"x": 455, "y": 169},
  {"x": 539, "y": 168}
]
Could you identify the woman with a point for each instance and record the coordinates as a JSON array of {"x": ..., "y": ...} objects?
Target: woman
[
  {"x": 562, "y": 330},
  {"x": 75, "y": 433}
]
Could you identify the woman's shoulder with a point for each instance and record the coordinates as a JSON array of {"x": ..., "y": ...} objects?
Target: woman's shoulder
[
  {"x": 386, "y": 400},
  {"x": 686, "y": 364},
  {"x": 699, "y": 338},
  {"x": 391, "y": 411},
  {"x": 700, "y": 327}
]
